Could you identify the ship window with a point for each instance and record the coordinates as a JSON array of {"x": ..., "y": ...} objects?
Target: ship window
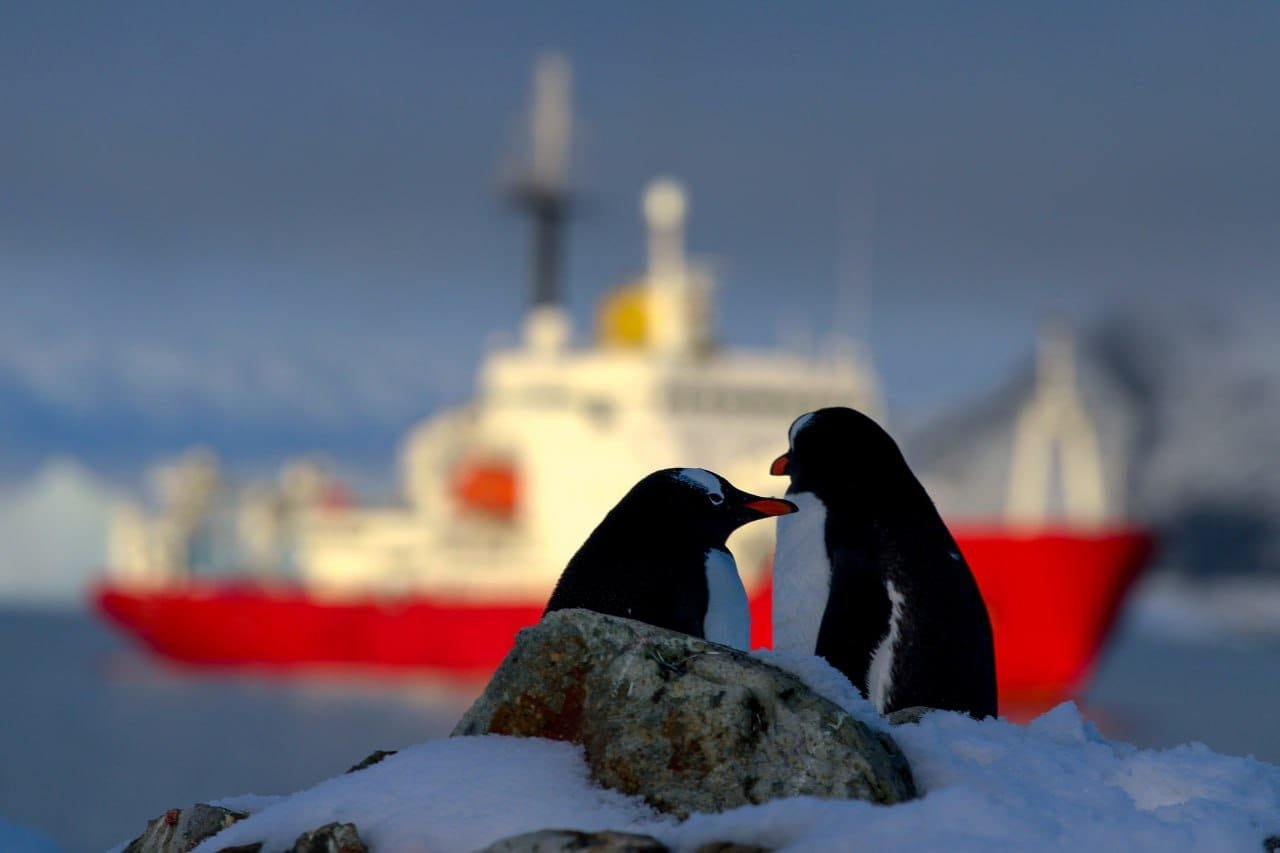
[{"x": 599, "y": 410}]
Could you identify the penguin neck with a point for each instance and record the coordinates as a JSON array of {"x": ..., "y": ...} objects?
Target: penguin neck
[
  {"x": 643, "y": 535},
  {"x": 871, "y": 499},
  {"x": 871, "y": 516}
]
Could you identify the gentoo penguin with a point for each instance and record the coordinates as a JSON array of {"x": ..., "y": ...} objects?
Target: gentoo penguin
[
  {"x": 659, "y": 557},
  {"x": 867, "y": 575}
]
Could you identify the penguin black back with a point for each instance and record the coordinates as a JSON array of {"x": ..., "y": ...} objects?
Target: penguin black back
[
  {"x": 902, "y": 615},
  {"x": 659, "y": 556}
]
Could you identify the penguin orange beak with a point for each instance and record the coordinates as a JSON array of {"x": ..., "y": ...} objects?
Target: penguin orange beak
[
  {"x": 771, "y": 506},
  {"x": 781, "y": 465}
]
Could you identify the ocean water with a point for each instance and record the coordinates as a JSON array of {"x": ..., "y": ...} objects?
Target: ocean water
[{"x": 96, "y": 738}]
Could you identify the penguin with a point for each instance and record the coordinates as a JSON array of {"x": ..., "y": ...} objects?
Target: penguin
[
  {"x": 659, "y": 556},
  {"x": 867, "y": 575}
]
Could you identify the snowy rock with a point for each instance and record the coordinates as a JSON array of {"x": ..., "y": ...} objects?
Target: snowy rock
[
  {"x": 373, "y": 758},
  {"x": 573, "y": 841},
  {"x": 687, "y": 725},
  {"x": 990, "y": 786},
  {"x": 331, "y": 838},
  {"x": 451, "y": 795},
  {"x": 180, "y": 830},
  {"x": 907, "y": 716},
  {"x": 565, "y": 840}
]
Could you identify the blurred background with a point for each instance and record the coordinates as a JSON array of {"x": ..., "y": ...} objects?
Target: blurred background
[{"x": 271, "y": 230}]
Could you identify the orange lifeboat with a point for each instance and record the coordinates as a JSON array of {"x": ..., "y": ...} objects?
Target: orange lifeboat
[{"x": 486, "y": 487}]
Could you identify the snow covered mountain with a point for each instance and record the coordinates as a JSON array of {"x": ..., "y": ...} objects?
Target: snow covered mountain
[
  {"x": 1187, "y": 405},
  {"x": 53, "y": 534}
]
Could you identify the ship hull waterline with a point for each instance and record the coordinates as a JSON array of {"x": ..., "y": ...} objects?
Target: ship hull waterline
[{"x": 1053, "y": 596}]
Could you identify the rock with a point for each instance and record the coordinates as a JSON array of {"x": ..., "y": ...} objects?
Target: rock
[
  {"x": 688, "y": 725},
  {"x": 372, "y": 759},
  {"x": 907, "y": 716},
  {"x": 565, "y": 840},
  {"x": 180, "y": 830},
  {"x": 576, "y": 841},
  {"x": 331, "y": 838}
]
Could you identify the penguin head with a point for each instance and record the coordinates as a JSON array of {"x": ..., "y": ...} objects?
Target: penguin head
[
  {"x": 697, "y": 504},
  {"x": 838, "y": 449}
]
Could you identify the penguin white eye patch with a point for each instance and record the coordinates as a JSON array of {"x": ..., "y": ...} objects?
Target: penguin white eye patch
[
  {"x": 704, "y": 480},
  {"x": 801, "y": 423}
]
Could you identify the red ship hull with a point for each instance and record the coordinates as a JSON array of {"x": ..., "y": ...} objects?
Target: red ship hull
[{"x": 1052, "y": 596}]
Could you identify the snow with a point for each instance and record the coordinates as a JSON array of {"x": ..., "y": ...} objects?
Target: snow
[
  {"x": 1054, "y": 784},
  {"x": 455, "y": 794},
  {"x": 825, "y": 680}
]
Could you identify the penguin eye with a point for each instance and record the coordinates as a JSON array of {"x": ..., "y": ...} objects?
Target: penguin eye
[{"x": 715, "y": 499}]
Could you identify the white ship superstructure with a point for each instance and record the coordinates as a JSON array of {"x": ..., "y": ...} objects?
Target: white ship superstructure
[{"x": 567, "y": 430}]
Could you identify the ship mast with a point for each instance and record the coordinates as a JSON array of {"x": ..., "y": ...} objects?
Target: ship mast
[
  {"x": 677, "y": 291},
  {"x": 1055, "y": 425},
  {"x": 542, "y": 192}
]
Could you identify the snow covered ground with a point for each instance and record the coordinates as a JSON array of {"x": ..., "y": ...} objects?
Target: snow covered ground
[{"x": 1055, "y": 784}]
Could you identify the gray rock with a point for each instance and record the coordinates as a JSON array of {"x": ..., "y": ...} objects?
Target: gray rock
[
  {"x": 567, "y": 840},
  {"x": 331, "y": 838},
  {"x": 180, "y": 830},
  {"x": 373, "y": 758},
  {"x": 906, "y": 716},
  {"x": 688, "y": 725}
]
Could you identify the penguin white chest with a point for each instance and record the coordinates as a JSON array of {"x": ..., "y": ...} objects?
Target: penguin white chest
[
  {"x": 801, "y": 575},
  {"x": 728, "y": 619}
]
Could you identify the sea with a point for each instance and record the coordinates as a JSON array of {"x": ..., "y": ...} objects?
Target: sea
[{"x": 97, "y": 737}]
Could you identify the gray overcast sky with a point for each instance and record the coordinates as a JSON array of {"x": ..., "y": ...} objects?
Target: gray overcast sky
[{"x": 264, "y": 210}]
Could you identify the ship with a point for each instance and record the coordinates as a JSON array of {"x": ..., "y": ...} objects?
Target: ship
[{"x": 496, "y": 494}]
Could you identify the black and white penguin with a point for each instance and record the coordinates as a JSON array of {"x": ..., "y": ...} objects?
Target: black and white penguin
[
  {"x": 867, "y": 575},
  {"x": 659, "y": 557}
]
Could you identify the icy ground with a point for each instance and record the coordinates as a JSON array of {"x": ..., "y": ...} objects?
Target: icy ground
[{"x": 1055, "y": 784}]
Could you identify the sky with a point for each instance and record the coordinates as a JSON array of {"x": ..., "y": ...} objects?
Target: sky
[{"x": 270, "y": 226}]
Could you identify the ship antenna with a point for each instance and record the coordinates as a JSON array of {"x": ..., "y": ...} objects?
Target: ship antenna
[
  {"x": 850, "y": 338},
  {"x": 854, "y": 277},
  {"x": 542, "y": 190}
]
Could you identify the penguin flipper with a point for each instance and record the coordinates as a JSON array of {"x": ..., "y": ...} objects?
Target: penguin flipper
[{"x": 856, "y": 617}]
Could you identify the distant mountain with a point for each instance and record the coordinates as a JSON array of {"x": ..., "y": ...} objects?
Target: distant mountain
[
  {"x": 53, "y": 534},
  {"x": 1187, "y": 405},
  {"x": 118, "y": 438}
]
